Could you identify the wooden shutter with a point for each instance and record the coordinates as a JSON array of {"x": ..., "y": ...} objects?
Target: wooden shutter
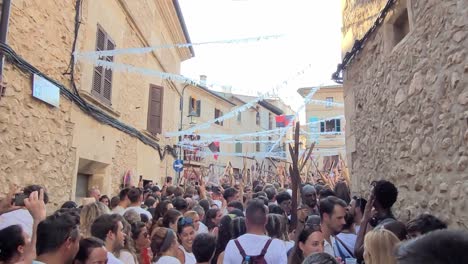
[
  {"x": 191, "y": 106},
  {"x": 198, "y": 108},
  {"x": 102, "y": 78},
  {"x": 155, "y": 109},
  {"x": 338, "y": 125}
]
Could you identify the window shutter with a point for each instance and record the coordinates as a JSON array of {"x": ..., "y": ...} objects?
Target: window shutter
[
  {"x": 322, "y": 126},
  {"x": 107, "y": 89},
  {"x": 191, "y": 106},
  {"x": 98, "y": 71},
  {"x": 198, "y": 108},
  {"x": 102, "y": 79},
  {"x": 338, "y": 125},
  {"x": 238, "y": 147},
  {"x": 155, "y": 109}
]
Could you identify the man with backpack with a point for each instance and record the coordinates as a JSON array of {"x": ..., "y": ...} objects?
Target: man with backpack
[{"x": 254, "y": 246}]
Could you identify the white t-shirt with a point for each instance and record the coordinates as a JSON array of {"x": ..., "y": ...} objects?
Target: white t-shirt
[
  {"x": 289, "y": 244},
  {"x": 139, "y": 210},
  {"x": 111, "y": 259},
  {"x": 126, "y": 257},
  {"x": 330, "y": 248},
  {"x": 167, "y": 260},
  {"x": 20, "y": 217},
  {"x": 202, "y": 228},
  {"x": 253, "y": 245},
  {"x": 118, "y": 210},
  {"x": 189, "y": 257}
]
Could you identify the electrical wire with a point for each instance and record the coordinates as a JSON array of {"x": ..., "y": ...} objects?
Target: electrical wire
[
  {"x": 359, "y": 43},
  {"x": 90, "y": 109}
]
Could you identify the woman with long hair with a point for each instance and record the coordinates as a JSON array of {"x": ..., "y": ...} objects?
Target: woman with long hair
[
  {"x": 88, "y": 214},
  {"x": 238, "y": 227},
  {"x": 164, "y": 246},
  {"x": 142, "y": 242},
  {"x": 224, "y": 235},
  {"x": 309, "y": 241},
  {"x": 379, "y": 245},
  {"x": 276, "y": 228},
  {"x": 212, "y": 219},
  {"x": 342, "y": 191},
  {"x": 92, "y": 250},
  {"x": 186, "y": 235},
  {"x": 170, "y": 219},
  {"x": 162, "y": 209}
]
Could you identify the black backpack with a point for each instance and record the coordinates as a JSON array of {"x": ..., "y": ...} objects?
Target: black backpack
[{"x": 260, "y": 259}]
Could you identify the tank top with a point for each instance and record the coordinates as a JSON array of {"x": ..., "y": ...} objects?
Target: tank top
[{"x": 189, "y": 257}]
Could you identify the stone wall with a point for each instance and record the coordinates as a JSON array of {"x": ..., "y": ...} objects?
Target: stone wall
[
  {"x": 407, "y": 107},
  {"x": 35, "y": 138},
  {"x": 46, "y": 145}
]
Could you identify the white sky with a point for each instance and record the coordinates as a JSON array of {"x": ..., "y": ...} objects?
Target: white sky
[{"x": 312, "y": 35}]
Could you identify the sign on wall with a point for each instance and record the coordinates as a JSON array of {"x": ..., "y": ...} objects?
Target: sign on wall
[{"x": 46, "y": 91}]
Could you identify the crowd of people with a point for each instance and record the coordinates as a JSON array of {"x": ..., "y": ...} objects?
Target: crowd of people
[{"x": 223, "y": 224}]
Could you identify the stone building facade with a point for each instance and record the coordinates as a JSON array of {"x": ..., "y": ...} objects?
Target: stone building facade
[
  {"x": 64, "y": 148},
  {"x": 406, "y": 104}
]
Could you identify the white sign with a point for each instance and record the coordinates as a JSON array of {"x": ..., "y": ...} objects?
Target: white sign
[{"x": 46, "y": 91}]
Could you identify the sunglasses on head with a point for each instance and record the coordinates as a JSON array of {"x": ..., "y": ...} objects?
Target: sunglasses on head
[{"x": 185, "y": 221}]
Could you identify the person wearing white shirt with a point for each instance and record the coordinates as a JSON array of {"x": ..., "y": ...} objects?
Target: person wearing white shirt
[
  {"x": 124, "y": 202},
  {"x": 135, "y": 195},
  {"x": 109, "y": 228},
  {"x": 254, "y": 242},
  {"x": 332, "y": 213}
]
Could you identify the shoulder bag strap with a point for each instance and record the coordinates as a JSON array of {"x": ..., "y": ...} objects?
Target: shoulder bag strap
[{"x": 344, "y": 245}]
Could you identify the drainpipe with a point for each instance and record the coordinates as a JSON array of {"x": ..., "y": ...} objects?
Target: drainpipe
[
  {"x": 180, "y": 125},
  {"x": 3, "y": 36}
]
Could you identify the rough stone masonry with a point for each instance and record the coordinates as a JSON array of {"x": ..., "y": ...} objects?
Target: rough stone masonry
[{"x": 407, "y": 105}]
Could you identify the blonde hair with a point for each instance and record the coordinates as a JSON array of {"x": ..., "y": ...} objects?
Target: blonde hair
[
  {"x": 191, "y": 214},
  {"x": 132, "y": 216},
  {"x": 88, "y": 214},
  {"x": 379, "y": 247}
]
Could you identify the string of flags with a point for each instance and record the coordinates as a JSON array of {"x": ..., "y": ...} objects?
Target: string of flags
[{"x": 143, "y": 50}]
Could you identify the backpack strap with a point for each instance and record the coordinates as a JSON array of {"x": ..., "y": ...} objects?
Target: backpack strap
[
  {"x": 265, "y": 248},
  {"x": 241, "y": 250}
]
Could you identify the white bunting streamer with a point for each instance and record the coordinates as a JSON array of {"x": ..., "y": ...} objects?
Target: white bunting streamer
[
  {"x": 306, "y": 101},
  {"x": 223, "y": 137},
  {"x": 235, "y": 111},
  {"x": 326, "y": 103},
  {"x": 97, "y": 54}
]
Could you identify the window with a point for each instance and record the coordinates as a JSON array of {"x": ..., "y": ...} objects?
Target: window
[
  {"x": 329, "y": 101},
  {"x": 102, "y": 78},
  {"x": 155, "y": 109},
  {"x": 239, "y": 117},
  {"x": 194, "y": 105},
  {"x": 217, "y": 114},
  {"x": 257, "y": 116},
  {"x": 401, "y": 27},
  {"x": 257, "y": 144},
  {"x": 238, "y": 147},
  {"x": 270, "y": 121},
  {"x": 82, "y": 183},
  {"x": 398, "y": 24},
  {"x": 333, "y": 125}
]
